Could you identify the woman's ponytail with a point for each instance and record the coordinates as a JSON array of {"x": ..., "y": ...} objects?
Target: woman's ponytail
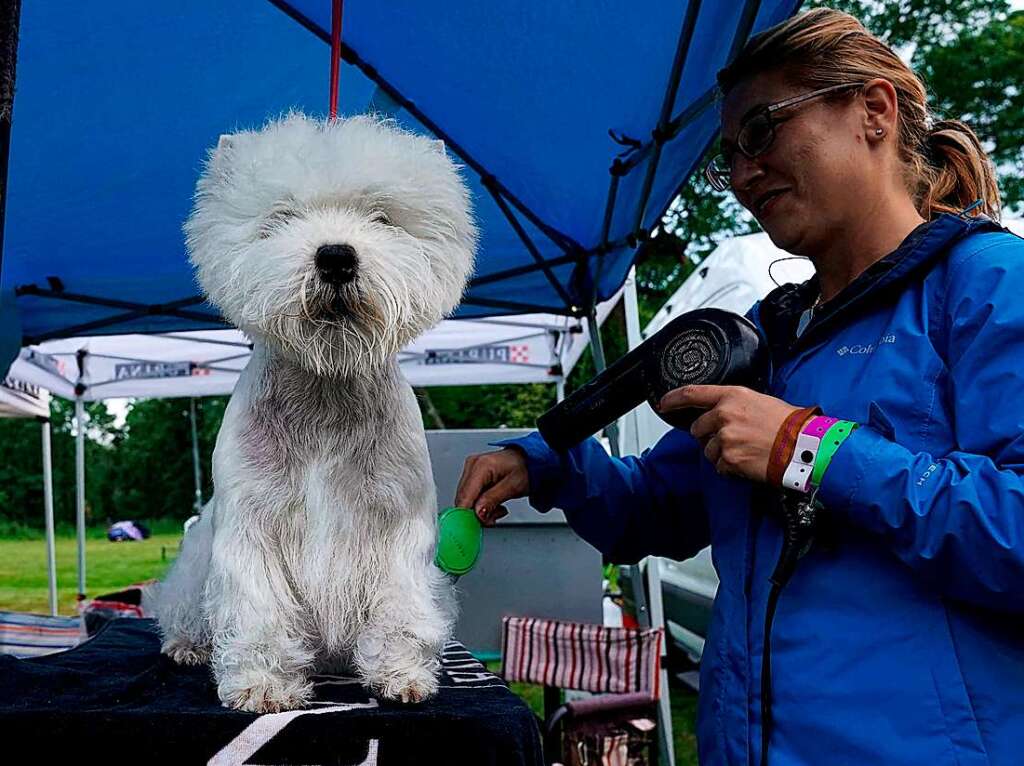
[{"x": 956, "y": 172}]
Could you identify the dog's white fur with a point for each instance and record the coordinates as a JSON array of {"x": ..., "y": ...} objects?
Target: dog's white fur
[{"x": 316, "y": 552}]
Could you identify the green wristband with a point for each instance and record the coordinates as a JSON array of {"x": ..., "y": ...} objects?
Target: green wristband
[{"x": 830, "y": 442}]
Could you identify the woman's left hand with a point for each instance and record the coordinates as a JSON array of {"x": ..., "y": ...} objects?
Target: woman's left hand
[{"x": 738, "y": 430}]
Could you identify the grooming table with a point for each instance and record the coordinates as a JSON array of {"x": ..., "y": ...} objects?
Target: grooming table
[{"x": 116, "y": 699}]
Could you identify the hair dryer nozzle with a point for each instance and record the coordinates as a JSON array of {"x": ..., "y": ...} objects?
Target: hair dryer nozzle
[{"x": 706, "y": 346}]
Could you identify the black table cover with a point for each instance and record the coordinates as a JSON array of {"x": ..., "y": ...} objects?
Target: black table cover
[{"x": 116, "y": 699}]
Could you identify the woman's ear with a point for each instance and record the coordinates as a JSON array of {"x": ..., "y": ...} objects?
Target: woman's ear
[{"x": 881, "y": 107}]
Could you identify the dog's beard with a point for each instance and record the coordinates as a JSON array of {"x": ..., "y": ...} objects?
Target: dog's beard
[{"x": 342, "y": 330}]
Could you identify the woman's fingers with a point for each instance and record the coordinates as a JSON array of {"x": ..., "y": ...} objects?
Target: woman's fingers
[
  {"x": 489, "y": 479},
  {"x": 470, "y": 483},
  {"x": 489, "y": 506},
  {"x": 492, "y": 515},
  {"x": 713, "y": 450},
  {"x": 706, "y": 425},
  {"x": 704, "y": 397}
]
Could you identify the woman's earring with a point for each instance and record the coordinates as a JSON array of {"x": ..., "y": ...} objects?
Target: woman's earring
[{"x": 879, "y": 131}]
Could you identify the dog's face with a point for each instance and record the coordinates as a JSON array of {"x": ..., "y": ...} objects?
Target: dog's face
[{"x": 336, "y": 243}]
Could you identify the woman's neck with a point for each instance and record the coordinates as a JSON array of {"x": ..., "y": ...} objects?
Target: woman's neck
[{"x": 875, "y": 233}]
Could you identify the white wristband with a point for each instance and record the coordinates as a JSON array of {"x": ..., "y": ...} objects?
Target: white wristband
[
  {"x": 797, "y": 476},
  {"x": 806, "y": 449},
  {"x": 798, "y": 473}
]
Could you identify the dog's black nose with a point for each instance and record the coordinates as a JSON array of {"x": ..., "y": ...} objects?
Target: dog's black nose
[{"x": 336, "y": 263}]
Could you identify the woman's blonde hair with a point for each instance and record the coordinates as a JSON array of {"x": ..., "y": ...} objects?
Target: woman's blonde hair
[{"x": 947, "y": 169}]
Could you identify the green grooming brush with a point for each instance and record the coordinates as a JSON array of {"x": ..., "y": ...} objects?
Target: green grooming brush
[{"x": 459, "y": 540}]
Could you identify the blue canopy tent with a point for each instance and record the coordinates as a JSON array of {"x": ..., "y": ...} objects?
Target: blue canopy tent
[{"x": 577, "y": 122}]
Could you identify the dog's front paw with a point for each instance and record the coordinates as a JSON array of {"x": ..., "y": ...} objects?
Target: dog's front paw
[
  {"x": 184, "y": 652},
  {"x": 410, "y": 688},
  {"x": 264, "y": 694}
]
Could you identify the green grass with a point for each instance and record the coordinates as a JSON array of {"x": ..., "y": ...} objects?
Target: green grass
[
  {"x": 109, "y": 567},
  {"x": 684, "y": 724}
]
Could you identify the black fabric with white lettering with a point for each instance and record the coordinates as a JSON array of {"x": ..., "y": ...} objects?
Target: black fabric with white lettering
[{"x": 116, "y": 699}]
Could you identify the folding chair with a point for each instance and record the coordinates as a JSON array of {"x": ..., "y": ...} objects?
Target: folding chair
[
  {"x": 619, "y": 665},
  {"x": 23, "y": 634}
]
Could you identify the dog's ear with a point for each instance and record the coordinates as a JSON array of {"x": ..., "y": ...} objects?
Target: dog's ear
[
  {"x": 441, "y": 148},
  {"x": 225, "y": 142}
]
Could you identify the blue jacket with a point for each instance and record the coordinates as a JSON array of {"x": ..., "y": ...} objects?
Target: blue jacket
[{"x": 903, "y": 641}]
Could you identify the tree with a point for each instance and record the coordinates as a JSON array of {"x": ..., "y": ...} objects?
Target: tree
[
  {"x": 21, "y": 468},
  {"x": 154, "y": 464}
]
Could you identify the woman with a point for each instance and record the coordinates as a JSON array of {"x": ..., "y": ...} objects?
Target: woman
[{"x": 898, "y": 637}]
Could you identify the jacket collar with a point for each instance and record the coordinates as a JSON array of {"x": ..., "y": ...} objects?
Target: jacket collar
[{"x": 780, "y": 311}]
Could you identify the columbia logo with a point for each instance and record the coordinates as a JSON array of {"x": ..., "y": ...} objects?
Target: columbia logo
[{"x": 865, "y": 348}]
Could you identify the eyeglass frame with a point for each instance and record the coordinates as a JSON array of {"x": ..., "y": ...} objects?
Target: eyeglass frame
[{"x": 709, "y": 170}]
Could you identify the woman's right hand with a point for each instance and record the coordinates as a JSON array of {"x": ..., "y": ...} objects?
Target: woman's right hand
[{"x": 491, "y": 478}]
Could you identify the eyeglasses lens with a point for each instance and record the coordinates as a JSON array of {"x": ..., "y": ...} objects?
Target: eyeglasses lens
[
  {"x": 717, "y": 173},
  {"x": 756, "y": 136}
]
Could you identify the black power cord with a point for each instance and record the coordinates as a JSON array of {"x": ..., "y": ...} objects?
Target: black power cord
[
  {"x": 799, "y": 513},
  {"x": 766, "y": 672}
]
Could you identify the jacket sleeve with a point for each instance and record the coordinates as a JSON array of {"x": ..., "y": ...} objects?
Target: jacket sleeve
[
  {"x": 627, "y": 508},
  {"x": 958, "y": 519}
]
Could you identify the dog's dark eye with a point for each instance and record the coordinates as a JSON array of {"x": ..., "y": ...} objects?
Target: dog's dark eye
[{"x": 381, "y": 217}]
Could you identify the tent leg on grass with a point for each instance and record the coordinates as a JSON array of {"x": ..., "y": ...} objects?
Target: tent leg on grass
[
  {"x": 51, "y": 546},
  {"x": 80, "y": 492},
  {"x": 196, "y": 470}
]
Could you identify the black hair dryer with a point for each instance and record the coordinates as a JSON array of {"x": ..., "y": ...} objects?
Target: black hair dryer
[{"x": 706, "y": 346}]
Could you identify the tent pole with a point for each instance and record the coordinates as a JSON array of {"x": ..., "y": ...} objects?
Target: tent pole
[
  {"x": 655, "y": 610},
  {"x": 196, "y": 469},
  {"x": 597, "y": 347},
  {"x": 9, "y": 21},
  {"x": 51, "y": 547},
  {"x": 80, "y": 492},
  {"x": 560, "y": 389},
  {"x": 631, "y": 423}
]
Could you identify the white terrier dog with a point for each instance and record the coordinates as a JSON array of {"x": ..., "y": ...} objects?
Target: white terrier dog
[{"x": 331, "y": 245}]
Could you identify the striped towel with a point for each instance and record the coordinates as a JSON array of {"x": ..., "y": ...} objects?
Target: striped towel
[
  {"x": 33, "y": 635},
  {"x": 572, "y": 655}
]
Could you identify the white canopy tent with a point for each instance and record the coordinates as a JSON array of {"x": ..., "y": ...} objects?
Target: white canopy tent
[
  {"x": 529, "y": 348},
  {"x": 21, "y": 399}
]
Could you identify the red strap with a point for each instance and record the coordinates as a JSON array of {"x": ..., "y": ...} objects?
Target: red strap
[{"x": 335, "y": 56}]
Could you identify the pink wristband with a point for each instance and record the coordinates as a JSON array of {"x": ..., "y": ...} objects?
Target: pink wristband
[{"x": 818, "y": 425}]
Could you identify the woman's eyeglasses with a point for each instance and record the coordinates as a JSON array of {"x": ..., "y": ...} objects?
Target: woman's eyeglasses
[{"x": 757, "y": 133}]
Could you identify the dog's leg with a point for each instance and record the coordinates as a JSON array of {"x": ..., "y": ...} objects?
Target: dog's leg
[
  {"x": 177, "y": 602},
  {"x": 398, "y": 650},
  {"x": 261, "y": 659}
]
